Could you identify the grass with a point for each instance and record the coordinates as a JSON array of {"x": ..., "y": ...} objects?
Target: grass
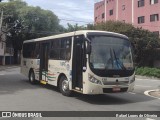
[{"x": 146, "y": 71}]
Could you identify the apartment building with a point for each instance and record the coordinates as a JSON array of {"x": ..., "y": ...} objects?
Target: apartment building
[
  {"x": 6, "y": 51},
  {"x": 140, "y": 13}
]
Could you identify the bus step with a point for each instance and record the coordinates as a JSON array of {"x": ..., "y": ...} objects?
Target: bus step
[
  {"x": 77, "y": 91},
  {"x": 77, "y": 88},
  {"x": 43, "y": 82}
]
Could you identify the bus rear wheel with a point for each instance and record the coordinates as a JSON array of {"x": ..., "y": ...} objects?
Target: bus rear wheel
[
  {"x": 64, "y": 86},
  {"x": 32, "y": 77}
]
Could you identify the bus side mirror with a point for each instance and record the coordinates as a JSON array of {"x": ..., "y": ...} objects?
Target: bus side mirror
[{"x": 88, "y": 49}]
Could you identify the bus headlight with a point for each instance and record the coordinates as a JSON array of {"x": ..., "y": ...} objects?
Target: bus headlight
[{"x": 94, "y": 80}]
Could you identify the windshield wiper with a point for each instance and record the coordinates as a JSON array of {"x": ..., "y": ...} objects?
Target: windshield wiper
[
  {"x": 118, "y": 62},
  {"x": 111, "y": 56}
]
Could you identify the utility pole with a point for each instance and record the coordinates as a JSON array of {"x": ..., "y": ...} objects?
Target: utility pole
[
  {"x": 1, "y": 33},
  {"x": 1, "y": 19}
]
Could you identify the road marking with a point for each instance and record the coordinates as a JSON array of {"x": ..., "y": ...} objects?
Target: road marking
[
  {"x": 132, "y": 93},
  {"x": 147, "y": 93},
  {"x": 143, "y": 86}
]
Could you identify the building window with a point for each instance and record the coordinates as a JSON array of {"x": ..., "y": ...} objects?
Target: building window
[
  {"x": 95, "y": 18},
  {"x": 111, "y": 12},
  {"x": 153, "y": 2},
  {"x": 140, "y": 3},
  {"x": 140, "y": 19},
  {"x": 154, "y": 17},
  {"x": 123, "y": 7},
  {"x": 103, "y": 15}
]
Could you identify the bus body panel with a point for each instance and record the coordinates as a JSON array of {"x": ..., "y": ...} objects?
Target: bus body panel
[
  {"x": 56, "y": 68},
  {"x": 28, "y": 64}
]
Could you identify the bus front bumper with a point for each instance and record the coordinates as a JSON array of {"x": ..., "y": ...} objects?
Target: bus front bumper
[{"x": 103, "y": 89}]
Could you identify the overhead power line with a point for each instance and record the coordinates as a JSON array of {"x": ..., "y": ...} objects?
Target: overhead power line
[{"x": 75, "y": 21}]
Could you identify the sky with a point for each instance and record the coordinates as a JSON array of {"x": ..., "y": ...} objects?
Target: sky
[{"x": 78, "y": 11}]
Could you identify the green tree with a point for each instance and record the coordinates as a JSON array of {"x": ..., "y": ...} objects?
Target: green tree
[
  {"x": 32, "y": 22},
  {"x": 38, "y": 19},
  {"x": 75, "y": 27}
]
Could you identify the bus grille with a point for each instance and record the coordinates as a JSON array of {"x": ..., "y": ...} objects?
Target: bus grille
[{"x": 116, "y": 83}]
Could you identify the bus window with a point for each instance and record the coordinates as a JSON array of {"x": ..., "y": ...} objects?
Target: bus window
[
  {"x": 60, "y": 49},
  {"x": 29, "y": 50}
]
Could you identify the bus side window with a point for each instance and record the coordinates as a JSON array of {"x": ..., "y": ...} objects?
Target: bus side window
[
  {"x": 29, "y": 50},
  {"x": 61, "y": 49},
  {"x": 37, "y": 49},
  {"x": 32, "y": 50},
  {"x": 65, "y": 48},
  {"x": 54, "y": 50},
  {"x": 68, "y": 48}
]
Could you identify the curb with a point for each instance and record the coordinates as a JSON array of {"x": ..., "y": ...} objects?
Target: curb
[
  {"x": 147, "y": 93},
  {"x": 7, "y": 67},
  {"x": 146, "y": 77}
]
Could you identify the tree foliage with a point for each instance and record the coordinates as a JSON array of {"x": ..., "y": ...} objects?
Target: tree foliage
[
  {"x": 27, "y": 22},
  {"x": 71, "y": 28}
]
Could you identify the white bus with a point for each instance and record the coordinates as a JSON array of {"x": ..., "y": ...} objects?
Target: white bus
[{"x": 88, "y": 62}]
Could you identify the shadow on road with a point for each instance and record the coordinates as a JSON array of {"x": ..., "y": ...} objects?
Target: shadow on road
[
  {"x": 13, "y": 83},
  {"x": 114, "y": 98}
]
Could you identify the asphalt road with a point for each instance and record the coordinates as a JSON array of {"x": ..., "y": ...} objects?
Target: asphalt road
[{"x": 17, "y": 94}]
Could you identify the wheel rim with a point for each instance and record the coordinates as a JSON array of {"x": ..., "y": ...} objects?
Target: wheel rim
[
  {"x": 65, "y": 85},
  {"x": 31, "y": 77}
]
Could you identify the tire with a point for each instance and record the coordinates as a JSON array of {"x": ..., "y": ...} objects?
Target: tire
[
  {"x": 32, "y": 77},
  {"x": 64, "y": 86}
]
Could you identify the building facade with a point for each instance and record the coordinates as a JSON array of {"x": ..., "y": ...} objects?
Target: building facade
[
  {"x": 6, "y": 51},
  {"x": 140, "y": 13}
]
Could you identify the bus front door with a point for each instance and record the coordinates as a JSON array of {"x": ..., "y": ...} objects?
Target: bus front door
[
  {"x": 44, "y": 62},
  {"x": 77, "y": 66}
]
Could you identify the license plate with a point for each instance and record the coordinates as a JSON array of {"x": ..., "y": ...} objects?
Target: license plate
[{"x": 116, "y": 89}]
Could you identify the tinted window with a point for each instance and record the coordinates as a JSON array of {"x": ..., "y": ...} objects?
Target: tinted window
[
  {"x": 29, "y": 50},
  {"x": 61, "y": 49}
]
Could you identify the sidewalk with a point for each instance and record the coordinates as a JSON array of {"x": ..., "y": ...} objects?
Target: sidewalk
[
  {"x": 4, "y": 67},
  {"x": 154, "y": 93}
]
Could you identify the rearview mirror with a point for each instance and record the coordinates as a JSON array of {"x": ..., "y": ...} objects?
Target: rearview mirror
[{"x": 88, "y": 49}]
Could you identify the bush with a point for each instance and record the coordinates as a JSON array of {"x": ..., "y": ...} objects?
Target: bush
[{"x": 146, "y": 71}]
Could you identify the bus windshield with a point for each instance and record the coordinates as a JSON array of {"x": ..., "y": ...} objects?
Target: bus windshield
[{"x": 110, "y": 53}]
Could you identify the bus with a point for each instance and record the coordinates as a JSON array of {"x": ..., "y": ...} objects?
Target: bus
[{"x": 85, "y": 61}]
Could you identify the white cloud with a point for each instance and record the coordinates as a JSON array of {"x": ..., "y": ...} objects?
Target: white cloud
[{"x": 77, "y": 10}]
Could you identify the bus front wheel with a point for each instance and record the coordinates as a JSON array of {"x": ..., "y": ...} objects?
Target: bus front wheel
[
  {"x": 32, "y": 77},
  {"x": 64, "y": 86}
]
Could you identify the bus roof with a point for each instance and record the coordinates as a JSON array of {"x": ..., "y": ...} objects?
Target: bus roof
[{"x": 80, "y": 32}]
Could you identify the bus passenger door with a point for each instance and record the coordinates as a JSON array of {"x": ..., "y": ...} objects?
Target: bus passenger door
[
  {"x": 44, "y": 62},
  {"x": 77, "y": 67}
]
